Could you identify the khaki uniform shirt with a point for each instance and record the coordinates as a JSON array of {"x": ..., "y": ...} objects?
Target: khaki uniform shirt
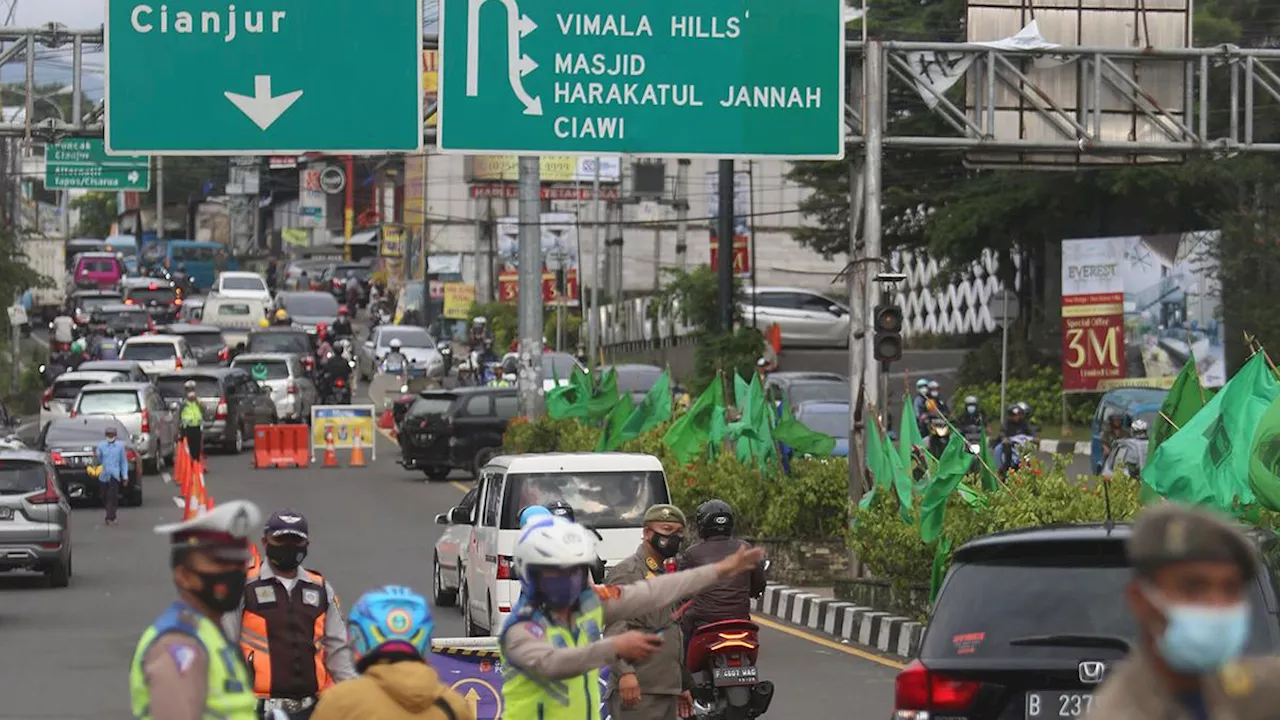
[
  {"x": 663, "y": 672},
  {"x": 1248, "y": 689}
]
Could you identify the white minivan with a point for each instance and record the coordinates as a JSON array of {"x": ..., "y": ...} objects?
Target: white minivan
[{"x": 609, "y": 493}]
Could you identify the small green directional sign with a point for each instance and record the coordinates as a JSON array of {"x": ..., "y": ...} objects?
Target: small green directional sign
[
  {"x": 83, "y": 164},
  {"x": 726, "y": 78}
]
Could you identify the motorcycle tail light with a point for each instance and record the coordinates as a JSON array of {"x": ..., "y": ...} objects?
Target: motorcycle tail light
[
  {"x": 734, "y": 640},
  {"x": 339, "y": 383}
]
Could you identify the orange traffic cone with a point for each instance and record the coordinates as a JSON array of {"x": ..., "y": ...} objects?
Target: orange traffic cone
[
  {"x": 357, "y": 453},
  {"x": 330, "y": 453}
]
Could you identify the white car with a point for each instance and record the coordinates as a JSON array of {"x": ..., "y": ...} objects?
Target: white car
[
  {"x": 158, "y": 353},
  {"x": 804, "y": 318},
  {"x": 61, "y": 395},
  {"x": 243, "y": 285},
  {"x": 446, "y": 565},
  {"x": 609, "y": 493}
]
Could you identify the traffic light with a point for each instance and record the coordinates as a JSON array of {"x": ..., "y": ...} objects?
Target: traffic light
[{"x": 888, "y": 333}]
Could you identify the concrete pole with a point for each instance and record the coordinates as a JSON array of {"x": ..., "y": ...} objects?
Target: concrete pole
[
  {"x": 425, "y": 301},
  {"x": 597, "y": 269},
  {"x": 530, "y": 298},
  {"x": 724, "y": 243},
  {"x": 682, "y": 212},
  {"x": 159, "y": 199},
  {"x": 64, "y": 208},
  {"x": 871, "y": 238}
]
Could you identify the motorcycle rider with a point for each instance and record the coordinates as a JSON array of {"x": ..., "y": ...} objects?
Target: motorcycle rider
[
  {"x": 478, "y": 333},
  {"x": 509, "y": 374},
  {"x": 730, "y": 600},
  {"x": 971, "y": 422},
  {"x": 1114, "y": 433},
  {"x": 281, "y": 318},
  {"x": 334, "y": 368},
  {"x": 79, "y": 354},
  {"x": 342, "y": 324},
  {"x": 353, "y": 291},
  {"x": 920, "y": 405},
  {"x": 1015, "y": 424},
  {"x": 108, "y": 345},
  {"x": 935, "y": 390},
  {"x": 62, "y": 331},
  {"x": 394, "y": 362},
  {"x": 1129, "y": 453},
  {"x": 551, "y": 646},
  {"x": 323, "y": 337}
]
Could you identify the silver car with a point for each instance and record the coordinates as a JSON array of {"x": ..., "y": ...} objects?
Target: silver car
[
  {"x": 416, "y": 345},
  {"x": 152, "y": 425},
  {"x": 58, "y": 399},
  {"x": 804, "y": 317},
  {"x": 35, "y": 517},
  {"x": 292, "y": 391}
]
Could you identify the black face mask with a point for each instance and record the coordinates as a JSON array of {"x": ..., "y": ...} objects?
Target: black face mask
[
  {"x": 286, "y": 557},
  {"x": 668, "y": 546},
  {"x": 221, "y": 592}
]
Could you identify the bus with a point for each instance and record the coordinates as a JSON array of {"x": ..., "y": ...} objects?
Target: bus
[{"x": 201, "y": 259}]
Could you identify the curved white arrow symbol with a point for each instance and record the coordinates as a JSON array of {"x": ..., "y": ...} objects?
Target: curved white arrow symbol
[{"x": 518, "y": 64}]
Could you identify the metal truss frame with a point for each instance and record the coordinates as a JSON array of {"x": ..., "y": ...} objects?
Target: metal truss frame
[{"x": 19, "y": 45}]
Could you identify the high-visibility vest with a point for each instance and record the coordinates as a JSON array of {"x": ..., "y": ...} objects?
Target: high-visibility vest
[
  {"x": 526, "y": 695},
  {"x": 275, "y": 643},
  {"x": 228, "y": 694}
]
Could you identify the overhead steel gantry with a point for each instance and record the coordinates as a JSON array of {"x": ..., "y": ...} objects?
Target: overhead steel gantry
[{"x": 1010, "y": 102}]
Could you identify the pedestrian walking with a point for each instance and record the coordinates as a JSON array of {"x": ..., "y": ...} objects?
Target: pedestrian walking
[
  {"x": 115, "y": 469},
  {"x": 192, "y": 417}
]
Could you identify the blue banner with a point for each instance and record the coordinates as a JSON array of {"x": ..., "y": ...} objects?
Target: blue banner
[{"x": 476, "y": 675}]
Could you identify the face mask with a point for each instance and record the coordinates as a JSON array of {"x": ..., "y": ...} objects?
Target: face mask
[
  {"x": 1199, "y": 639},
  {"x": 668, "y": 546},
  {"x": 933, "y": 393},
  {"x": 111, "y": 439},
  {"x": 221, "y": 592},
  {"x": 971, "y": 409},
  {"x": 562, "y": 591},
  {"x": 924, "y": 391},
  {"x": 286, "y": 557}
]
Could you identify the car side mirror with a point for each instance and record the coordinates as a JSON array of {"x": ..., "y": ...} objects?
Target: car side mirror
[
  {"x": 459, "y": 516},
  {"x": 442, "y": 519},
  {"x": 836, "y": 310}
]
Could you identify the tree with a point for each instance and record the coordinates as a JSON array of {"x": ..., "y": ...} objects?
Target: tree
[{"x": 97, "y": 214}]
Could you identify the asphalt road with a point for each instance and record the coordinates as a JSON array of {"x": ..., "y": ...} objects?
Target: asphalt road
[{"x": 64, "y": 654}]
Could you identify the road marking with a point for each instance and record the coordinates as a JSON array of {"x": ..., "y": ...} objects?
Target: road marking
[
  {"x": 796, "y": 632},
  {"x": 461, "y": 488}
]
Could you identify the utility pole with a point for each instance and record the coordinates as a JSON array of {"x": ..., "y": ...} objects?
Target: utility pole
[
  {"x": 681, "y": 203},
  {"x": 598, "y": 268},
  {"x": 64, "y": 209},
  {"x": 874, "y": 119},
  {"x": 349, "y": 208},
  {"x": 426, "y": 245},
  {"x": 724, "y": 242},
  {"x": 530, "y": 298},
  {"x": 159, "y": 199}
]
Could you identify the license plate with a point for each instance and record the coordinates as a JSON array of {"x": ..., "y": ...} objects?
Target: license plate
[
  {"x": 6, "y": 513},
  {"x": 744, "y": 675},
  {"x": 1050, "y": 704}
]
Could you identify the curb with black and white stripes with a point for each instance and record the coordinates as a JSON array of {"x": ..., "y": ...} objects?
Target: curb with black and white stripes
[
  {"x": 886, "y": 632},
  {"x": 1065, "y": 447}
]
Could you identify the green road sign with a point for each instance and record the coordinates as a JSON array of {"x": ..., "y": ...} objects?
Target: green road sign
[
  {"x": 83, "y": 164},
  {"x": 254, "y": 77},
  {"x": 727, "y": 78}
]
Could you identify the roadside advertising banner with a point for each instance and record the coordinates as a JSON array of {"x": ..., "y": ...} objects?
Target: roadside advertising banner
[
  {"x": 458, "y": 299},
  {"x": 345, "y": 423},
  {"x": 559, "y": 233},
  {"x": 1136, "y": 308}
]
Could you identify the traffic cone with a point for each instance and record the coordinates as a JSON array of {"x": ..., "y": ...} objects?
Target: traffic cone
[
  {"x": 330, "y": 453},
  {"x": 357, "y": 453}
]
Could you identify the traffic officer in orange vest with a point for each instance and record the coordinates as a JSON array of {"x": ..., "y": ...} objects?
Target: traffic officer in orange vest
[{"x": 289, "y": 624}]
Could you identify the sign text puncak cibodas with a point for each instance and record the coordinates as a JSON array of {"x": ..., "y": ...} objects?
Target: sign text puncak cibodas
[
  {"x": 729, "y": 78},
  {"x": 262, "y": 77},
  {"x": 83, "y": 164}
]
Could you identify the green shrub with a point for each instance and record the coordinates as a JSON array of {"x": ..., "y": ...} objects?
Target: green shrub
[
  {"x": 812, "y": 502},
  {"x": 1041, "y": 389},
  {"x": 730, "y": 353}
]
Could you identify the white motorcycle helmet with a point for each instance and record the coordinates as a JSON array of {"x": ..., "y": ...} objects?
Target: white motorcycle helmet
[
  {"x": 1139, "y": 428},
  {"x": 395, "y": 344},
  {"x": 553, "y": 542}
]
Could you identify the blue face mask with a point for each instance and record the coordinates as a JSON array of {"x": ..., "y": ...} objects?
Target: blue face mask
[
  {"x": 1200, "y": 639},
  {"x": 562, "y": 591}
]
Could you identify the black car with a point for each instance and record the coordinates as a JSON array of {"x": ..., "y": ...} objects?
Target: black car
[
  {"x": 636, "y": 380},
  {"x": 125, "y": 320},
  {"x": 161, "y": 298},
  {"x": 206, "y": 341},
  {"x": 448, "y": 429},
  {"x": 87, "y": 301},
  {"x": 334, "y": 280},
  {"x": 70, "y": 443},
  {"x": 233, "y": 403},
  {"x": 1028, "y": 622}
]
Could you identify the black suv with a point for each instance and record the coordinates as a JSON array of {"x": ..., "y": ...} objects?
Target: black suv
[
  {"x": 1028, "y": 622},
  {"x": 233, "y": 403},
  {"x": 160, "y": 298},
  {"x": 462, "y": 428}
]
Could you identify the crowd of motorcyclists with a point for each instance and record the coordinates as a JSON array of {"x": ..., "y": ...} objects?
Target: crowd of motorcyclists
[{"x": 935, "y": 421}]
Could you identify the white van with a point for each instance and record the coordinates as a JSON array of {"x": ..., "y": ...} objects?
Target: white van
[
  {"x": 609, "y": 492},
  {"x": 237, "y": 316}
]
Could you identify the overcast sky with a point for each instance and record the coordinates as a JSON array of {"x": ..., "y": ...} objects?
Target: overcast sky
[{"x": 72, "y": 13}]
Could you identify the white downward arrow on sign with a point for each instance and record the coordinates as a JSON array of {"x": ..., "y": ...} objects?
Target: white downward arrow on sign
[{"x": 261, "y": 107}]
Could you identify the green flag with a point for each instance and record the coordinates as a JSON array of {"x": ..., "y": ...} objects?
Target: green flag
[
  {"x": 753, "y": 430},
  {"x": 611, "y": 435},
  {"x": 703, "y": 422},
  {"x": 908, "y": 433},
  {"x": 1184, "y": 400},
  {"x": 876, "y": 460},
  {"x": 941, "y": 553},
  {"x": 1264, "y": 458},
  {"x": 605, "y": 397},
  {"x": 652, "y": 411},
  {"x": 1207, "y": 461},
  {"x": 801, "y": 439},
  {"x": 952, "y": 467},
  {"x": 569, "y": 401},
  {"x": 987, "y": 471}
]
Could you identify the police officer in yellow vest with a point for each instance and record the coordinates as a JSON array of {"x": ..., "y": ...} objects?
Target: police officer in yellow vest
[
  {"x": 184, "y": 667},
  {"x": 553, "y": 643}
]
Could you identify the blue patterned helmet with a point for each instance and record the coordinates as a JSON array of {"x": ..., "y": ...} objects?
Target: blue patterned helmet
[
  {"x": 391, "y": 619},
  {"x": 531, "y": 512}
]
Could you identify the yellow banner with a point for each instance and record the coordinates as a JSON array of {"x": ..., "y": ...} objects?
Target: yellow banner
[
  {"x": 430, "y": 80},
  {"x": 458, "y": 299},
  {"x": 551, "y": 168},
  {"x": 392, "y": 241},
  {"x": 344, "y": 423},
  {"x": 294, "y": 236}
]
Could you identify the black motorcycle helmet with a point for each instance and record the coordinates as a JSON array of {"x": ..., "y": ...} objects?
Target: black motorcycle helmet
[
  {"x": 560, "y": 508},
  {"x": 714, "y": 517}
]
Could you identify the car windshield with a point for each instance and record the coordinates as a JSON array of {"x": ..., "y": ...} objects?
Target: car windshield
[
  {"x": 208, "y": 340},
  {"x": 148, "y": 351},
  {"x": 244, "y": 283},
  {"x": 126, "y": 319},
  {"x": 89, "y": 303},
  {"x": 237, "y": 310},
  {"x": 18, "y": 477},
  {"x": 599, "y": 499},
  {"x": 283, "y": 342},
  {"x": 310, "y": 304},
  {"x": 145, "y": 296},
  {"x": 559, "y": 365},
  {"x": 173, "y": 387},
  {"x": 78, "y": 433},
  {"x": 99, "y": 265},
  {"x": 985, "y": 605},
  {"x": 108, "y": 403},
  {"x": 797, "y": 393},
  {"x": 431, "y": 405},
  {"x": 410, "y": 337},
  {"x": 69, "y": 389},
  {"x": 832, "y": 421},
  {"x": 263, "y": 369}
]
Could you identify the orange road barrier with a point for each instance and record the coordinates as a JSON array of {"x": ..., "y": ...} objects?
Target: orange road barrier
[
  {"x": 387, "y": 420},
  {"x": 277, "y": 446},
  {"x": 357, "y": 452}
]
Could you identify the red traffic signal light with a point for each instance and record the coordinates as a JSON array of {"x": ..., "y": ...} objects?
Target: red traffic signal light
[
  {"x": 887, "y": 324},
  {"x": 888, "y": 319}
]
